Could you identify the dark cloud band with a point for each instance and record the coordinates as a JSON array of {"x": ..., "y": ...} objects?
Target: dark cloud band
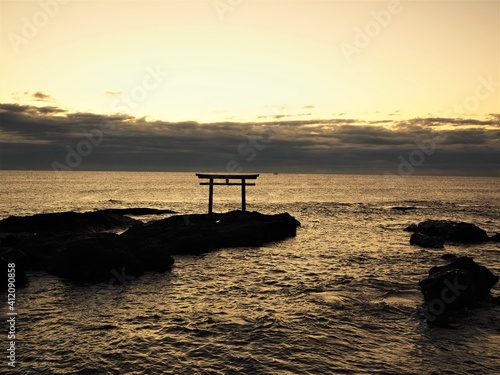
[{"x": 38, "y": 137}]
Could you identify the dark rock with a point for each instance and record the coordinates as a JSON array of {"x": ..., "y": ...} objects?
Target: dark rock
[
  {"x": 153, "y": 258},
  {"x": 19, "y": 257},
  {"x": 38, "y": 247},
  {"x": 448, "y": 256},
  {"x": 136, "y": 211},
  {"x": 411, "y": 228},
  {"x": 101, "y": 257},
  {"x": 495, "y": 237},
  {"x": 254, "y": 229},
  {"x": 423, "y": 240},
  {"x": 199, "y": 233},
  {"x": 63, "y": 249},
  {"x": 400, "y": 208},
  {"x": 178, "y": 234},
  {"x": 460, "y": 284},
  {"x": 65, "y": 222},
  {"x": 453, "y": 231},
  {"x": 96, "y": 258}
]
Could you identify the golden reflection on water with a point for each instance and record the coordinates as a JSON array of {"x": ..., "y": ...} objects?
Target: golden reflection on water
[{"x": 341, "y": 297}]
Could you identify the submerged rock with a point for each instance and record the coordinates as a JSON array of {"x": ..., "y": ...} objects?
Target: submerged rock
[
  {"x": 448, "y": 256},
  {"x": 404, "y": 208},
  {"x": 411, "y": 228},
  {"x": 460, "y": 284},
  {"x": 423, "y": 240},
  {"x": 434, "y": 233},
  {"x": 453, "y": 231},
  {"x": 495, "y": 237}
]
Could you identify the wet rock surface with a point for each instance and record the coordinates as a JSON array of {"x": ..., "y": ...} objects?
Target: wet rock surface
[
  {"x": 435, "y": 233},
  {"x": 423, "y": 240},
  {"x": 495, "y": 237},
  {"x": 453, "y": 231},
  {"x": 199, "y": 233},
  {"x": 94, "y": 258},
  {"x": 460, "y": 284},
  {"x": 65, "y": 222},
  {"x": 74, "y": 246}
]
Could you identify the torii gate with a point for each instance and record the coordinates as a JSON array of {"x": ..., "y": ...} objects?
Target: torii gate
[{"x": 227, "y": 177}]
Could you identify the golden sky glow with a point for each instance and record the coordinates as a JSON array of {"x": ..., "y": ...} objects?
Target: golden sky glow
[{"x": 420, "y": 58}]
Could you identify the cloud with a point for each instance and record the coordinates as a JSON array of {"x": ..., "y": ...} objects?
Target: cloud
[
  {"x": 289, "y": 115},
  {"x": 41, "y": 97},
  {"x": 36, "y": 137},
  {"x": 309, "y": 106},
  {"x": 50, "y": 110},
  {"x": 113, "y": 93}
]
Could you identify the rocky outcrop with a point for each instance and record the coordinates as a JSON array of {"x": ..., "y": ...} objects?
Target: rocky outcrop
[
  {"x": 460, "y": 284},
  {"x": 453, "y": 231},
  {"x": 60, "y": 222},
  {"x": 66, "y": 222},
  {"x": 80, "y": 253},
  {"x": 36, "y": 247},
  {"x": 434, "y": 233},
  {"x": 94, "y": 259},
  {"x": 423, "y": 240},
  {"x": 199, "y": 233}
]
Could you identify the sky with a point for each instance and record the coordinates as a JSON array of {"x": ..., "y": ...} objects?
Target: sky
[{"x": 400, "y": 87}]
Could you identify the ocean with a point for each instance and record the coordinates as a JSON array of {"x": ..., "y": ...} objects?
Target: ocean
[{"x": 341, "y": 297}]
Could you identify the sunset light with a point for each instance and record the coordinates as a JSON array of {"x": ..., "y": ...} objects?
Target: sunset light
[
  {"x": 250, "y": 187},
  {"x": 316, "y": 71},
  {"x": 361, "y": 59}
]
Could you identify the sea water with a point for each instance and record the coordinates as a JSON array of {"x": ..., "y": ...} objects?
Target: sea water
[{"x": 341, "y": 297}]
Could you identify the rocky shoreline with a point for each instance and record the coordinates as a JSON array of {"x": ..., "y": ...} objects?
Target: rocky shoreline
[
  {"x": 460, "y": 284},
  {"x": 86, "y": 248},
  {"x": 435, "y": 233},
  {"x": 82, "y": 247}
]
